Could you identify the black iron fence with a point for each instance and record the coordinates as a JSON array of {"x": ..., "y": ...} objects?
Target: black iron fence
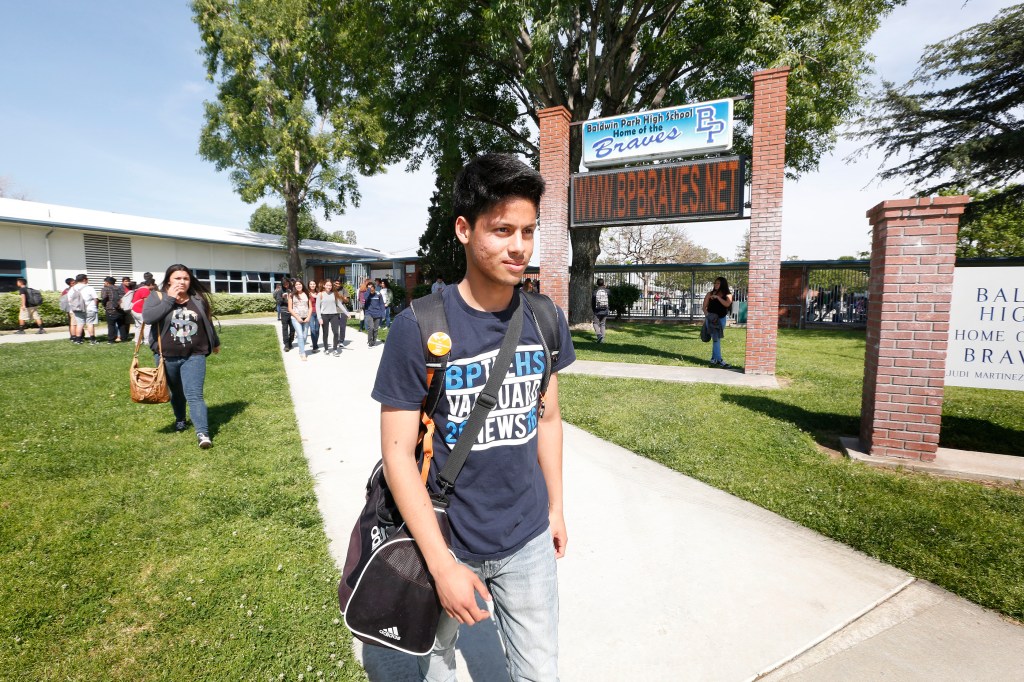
[{"x": 676, "y": 291}]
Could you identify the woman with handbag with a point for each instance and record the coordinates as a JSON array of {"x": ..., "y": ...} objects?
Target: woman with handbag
[
  {"x": 300, "y": 310},
  {"x": 183, "y": 332}
]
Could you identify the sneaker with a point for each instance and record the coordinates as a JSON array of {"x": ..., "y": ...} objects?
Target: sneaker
[
  {"x": 41, "y": 331},
  {"x": 20, "y": 331},
  {"x": 302, "y": 356},
  {"x": 180, "y": 426},
  {"x": 337, "y": 353},
  {"x": 724, "y": 365},
  {"x": 204, "y": 441}
]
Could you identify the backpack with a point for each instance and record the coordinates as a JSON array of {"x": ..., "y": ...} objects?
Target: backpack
[
  {"x": 601, "y": 300},
  {"x": 127, "y": 297},
  {"x": 76, "y": 303},
  {"x": 33, "y": 299},
  {"x": 63, "y": 302}
]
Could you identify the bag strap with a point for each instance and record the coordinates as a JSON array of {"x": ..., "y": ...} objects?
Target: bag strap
[
  {"x": 486, "y": 401},
  {"x": 545, "y": 316}
]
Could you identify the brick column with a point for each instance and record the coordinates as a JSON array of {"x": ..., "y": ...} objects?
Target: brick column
[
  {"x": 913, "y": 252},
  {"x": 768, "y": 165},
  {"x": 554, "y": 206}
]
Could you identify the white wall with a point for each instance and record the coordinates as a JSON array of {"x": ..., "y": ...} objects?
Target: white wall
[{"x": 67, "y": 254}]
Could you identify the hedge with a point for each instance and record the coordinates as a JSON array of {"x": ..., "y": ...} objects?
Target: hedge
[{"x": 223, "y": 304}]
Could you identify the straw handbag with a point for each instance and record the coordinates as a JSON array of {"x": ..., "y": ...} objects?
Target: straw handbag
[{"x": 148, "y": 384}]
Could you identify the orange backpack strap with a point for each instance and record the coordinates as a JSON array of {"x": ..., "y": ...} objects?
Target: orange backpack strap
[{"x": 429, "y": 314}]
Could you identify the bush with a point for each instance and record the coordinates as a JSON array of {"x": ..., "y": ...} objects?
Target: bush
[
  {"x": 420, "y": 290},
  {"x": 397, "y": 295},
  {"x": 621, "y": 298},
  {"x": 235, "y": 304},
  {"x": 50, "y": 310}
]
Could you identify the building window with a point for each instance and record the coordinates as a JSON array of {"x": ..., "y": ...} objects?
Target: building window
[
  {"x": 10, "y": 271},
  {"x": 238, "y": 282},
  {"x": 107, "y": 256}
]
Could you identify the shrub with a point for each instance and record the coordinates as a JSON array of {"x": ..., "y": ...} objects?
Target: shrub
[
  {"x": 397, "y": 295},
  {"x": 50, "y": 310},
  {"x": 621, "y": 297},
  {"x": 420, "y": 290},
  {"x": 235, "y": 304}
]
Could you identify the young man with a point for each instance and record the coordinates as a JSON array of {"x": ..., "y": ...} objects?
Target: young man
[
  {"x": 87, "y": 313},
  {"x": 281, "y": 293},
  {"x": 110, "y": 299},
  {"x": 385, "y": 294},
  {"x": 437, "y": 286},
  {"x": 599, "y": 304},
  {"x": 373, "y": 313},
  {"x": 72, "y": 330},
  {"x": 27, "y": 312},
  {"x": 506, "y": 508}
]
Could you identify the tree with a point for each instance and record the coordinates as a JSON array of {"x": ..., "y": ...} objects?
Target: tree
[
  {"x": 993, "y": 230},
  {"x": 959, "y": 122},
  {"x": 743, "y": 249},
  {"x": 651, "y": 245},
  {"x": 274, "y": 220},
  {"x": 477, "y": 67},
  {"x": 285, "y": 121},
  {"x": 7, "y": 190}
]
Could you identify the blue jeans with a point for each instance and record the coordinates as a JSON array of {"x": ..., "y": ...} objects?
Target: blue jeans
[
  {"x": 301, "y": 332},
  {"x": 524, "y": 588},
  {"x": 387, "y": 316},
  {"x": 716, "y": 343},
  {"x": 314, "y": 331},
  {"x": 185, "y": 378}
]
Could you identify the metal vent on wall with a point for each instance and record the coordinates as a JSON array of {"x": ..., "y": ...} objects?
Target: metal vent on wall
[{"x": 106, "y": 255}]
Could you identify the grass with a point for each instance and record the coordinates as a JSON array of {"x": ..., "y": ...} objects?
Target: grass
[
  {"x": 763, "y": 446},
  {"x": 127, "y": 553}
]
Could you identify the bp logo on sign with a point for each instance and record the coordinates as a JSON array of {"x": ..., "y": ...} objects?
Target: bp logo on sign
[{"x": 658, "y": 134}]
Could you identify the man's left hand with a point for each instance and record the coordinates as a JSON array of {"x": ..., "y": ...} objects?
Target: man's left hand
[{"x": 558, "y": 535}]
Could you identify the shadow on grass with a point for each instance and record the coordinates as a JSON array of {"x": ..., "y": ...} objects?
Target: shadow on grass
[
  {"x": 824, "y": 427},
  {"x": 970, "y": 433},
  {"x": 222, "y": 413}
]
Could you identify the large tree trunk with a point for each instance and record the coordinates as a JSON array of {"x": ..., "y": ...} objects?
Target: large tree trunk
[
  {"x": 291, "y": 237},
  {"x": 586, "y": 246}
]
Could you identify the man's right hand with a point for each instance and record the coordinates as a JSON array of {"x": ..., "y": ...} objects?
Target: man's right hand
[{"x": 456, "y": 588}]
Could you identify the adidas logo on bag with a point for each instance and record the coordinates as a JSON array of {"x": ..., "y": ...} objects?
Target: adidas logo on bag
[{"x": 391, "y": 633}]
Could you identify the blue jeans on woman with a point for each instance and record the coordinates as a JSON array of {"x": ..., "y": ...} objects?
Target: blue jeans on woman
[
  {"x": 314, "y": 331},
  {"x": 716, "y": 343},
  {"x": 301, "y": 333},
  {"x": 185, "y": 378},
  {"x": 524, "y": 588}
]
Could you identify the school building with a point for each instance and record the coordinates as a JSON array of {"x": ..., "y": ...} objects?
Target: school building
[{"x": 46, "y": 244}]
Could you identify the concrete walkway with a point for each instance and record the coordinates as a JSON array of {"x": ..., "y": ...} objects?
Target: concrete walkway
[{"x": 669, "y": 579}]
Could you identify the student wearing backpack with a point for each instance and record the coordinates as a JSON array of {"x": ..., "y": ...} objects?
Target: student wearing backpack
[
  {"x": 31, "y": 299},
  {"x": 599, "y": 304},
  {"x": 65, "y": 306},
  {"x": 110, "y": 299},
  {"x": 506, "y": 508},
  {"x": 82, "y": 299}
]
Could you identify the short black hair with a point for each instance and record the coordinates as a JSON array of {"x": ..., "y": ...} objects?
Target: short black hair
[
  {"x": 109, "y": 280},
  {"x": 489, "y": 179},
  {"x": 600, "y": 282},
  {"x": 81, "y": 277},
  {"x": 69, "y": 280},
  {"x": 22, "y": 280}
]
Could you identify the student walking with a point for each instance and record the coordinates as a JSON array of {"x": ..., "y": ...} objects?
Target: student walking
[
  {"x": 386, "y": 295},
  {"x": 332, "y": 315},
  {"x": 717, "y": 304},
  {"x": 31, "y": 299},
  {"x": 506, "y": 516},
  {"x": 139, "y": 296},
  {"x": 599, "y": 304},
  {"x": 313, "y": 291},
  {"x": 373, "y": 313},
  {"x": 300, "y": 311},
  {"x": 182, "y": 319},
  {"x": 65, "y": 306},
  {"x": 281, "y": 293}
]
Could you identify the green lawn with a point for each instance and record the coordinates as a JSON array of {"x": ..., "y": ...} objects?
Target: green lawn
[
  {"x": 763, "y": 445},
  {"x": 127, "y": 553}
]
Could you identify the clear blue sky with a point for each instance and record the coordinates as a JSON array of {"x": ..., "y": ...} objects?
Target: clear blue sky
[{"x": 101, "y": 106}]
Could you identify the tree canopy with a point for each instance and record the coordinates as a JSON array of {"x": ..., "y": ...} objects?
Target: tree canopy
[
  {"x": 274, "y": 220},
  {"x": 477, "y": 71},
  {"x": 992, "y": 229},
  {"x": 285, "y": 121},
  {"x": 958, "y": 124}
]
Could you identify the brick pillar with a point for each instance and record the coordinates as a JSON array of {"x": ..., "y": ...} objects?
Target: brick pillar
[
  {"x": 554, "y": 205},
  {"x": 768, "y": 165},
  {"x": 913, "y": 252}
]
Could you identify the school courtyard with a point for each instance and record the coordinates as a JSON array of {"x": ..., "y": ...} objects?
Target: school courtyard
[{"x": 716, "y": 532}]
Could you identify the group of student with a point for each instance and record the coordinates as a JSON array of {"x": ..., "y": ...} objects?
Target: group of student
[
  {"x": 306, "y": 308},
  {"x": 122, "y": 304}
]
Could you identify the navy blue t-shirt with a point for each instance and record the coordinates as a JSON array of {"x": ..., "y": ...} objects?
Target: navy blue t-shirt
[{"x": 500, "y": 500}]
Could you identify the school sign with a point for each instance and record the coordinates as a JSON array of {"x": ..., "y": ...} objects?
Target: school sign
[
  {"x": 986, "y": 329},
  {"x": 659, "y": 134}
]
